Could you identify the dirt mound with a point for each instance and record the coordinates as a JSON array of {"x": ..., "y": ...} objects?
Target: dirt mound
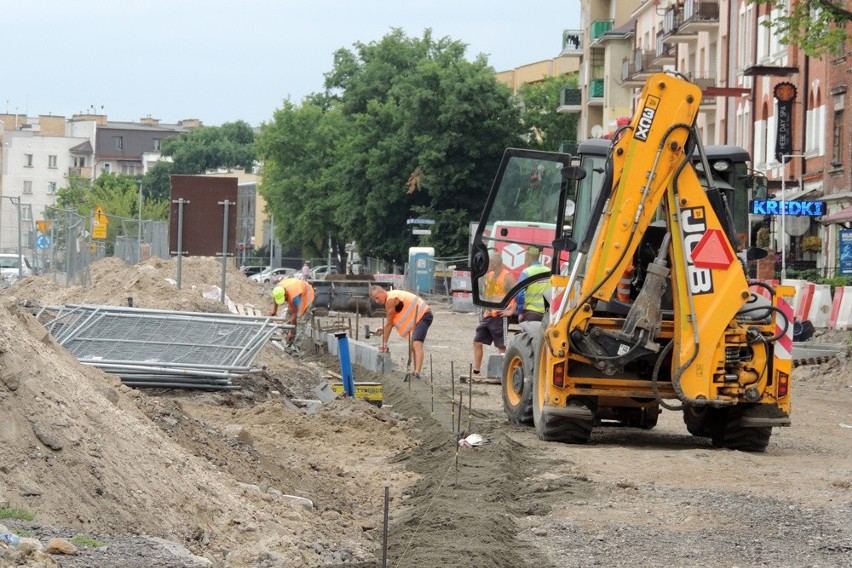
[
  {"x": 151, "y": 284},
  {"x": 237, "y": 477}
]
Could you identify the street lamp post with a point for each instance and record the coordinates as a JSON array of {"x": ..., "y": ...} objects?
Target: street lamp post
[{"x": 784, "y": 159}]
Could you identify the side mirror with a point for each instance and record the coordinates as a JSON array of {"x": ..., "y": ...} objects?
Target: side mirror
[
  {"x": 754, "y": 253},
  {"x": 759, "y": 185}
]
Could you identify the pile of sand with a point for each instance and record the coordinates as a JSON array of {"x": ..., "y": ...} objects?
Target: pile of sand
[
  {"x": 149, "y": 285},
  {"x": 80, "y": 450}
]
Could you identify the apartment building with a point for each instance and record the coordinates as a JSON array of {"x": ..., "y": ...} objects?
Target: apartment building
[
  {"x": 39, "y": 155},
  {"x": 769, "y": 98},
  {"x": 36, "y": 156}
]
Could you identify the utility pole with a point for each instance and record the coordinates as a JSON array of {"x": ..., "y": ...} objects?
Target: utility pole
[{"x": 784, "y": 159}]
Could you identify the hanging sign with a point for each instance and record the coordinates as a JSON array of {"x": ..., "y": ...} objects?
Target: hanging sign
[{"x": 785, "y": 95}]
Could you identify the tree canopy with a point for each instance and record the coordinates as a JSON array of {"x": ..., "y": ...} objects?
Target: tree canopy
[
  {"x": 116, "y": 194},
  {"x": 200, "y": 150},
  {"x": 407, "y": 128},
  {"x": 548, "y": 129},
  {"x": 817, "y": 26}
]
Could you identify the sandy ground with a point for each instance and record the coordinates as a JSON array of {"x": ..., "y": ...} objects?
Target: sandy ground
[{"x": 175, "y": 478}]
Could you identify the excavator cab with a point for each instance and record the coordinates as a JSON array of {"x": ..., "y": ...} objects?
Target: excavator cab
[{"x": 530, "y": 207}]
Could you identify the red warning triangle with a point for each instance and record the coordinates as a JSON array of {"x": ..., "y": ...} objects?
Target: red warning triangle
[{"x": 712, "y": 251}]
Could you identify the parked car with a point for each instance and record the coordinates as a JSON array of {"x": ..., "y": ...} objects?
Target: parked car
[
  {"x": 320, "y": 272},
  {"x": 273, "y": 275},
  {"x": 252, "y": 270},
  {"x": 9, "y": 263}
]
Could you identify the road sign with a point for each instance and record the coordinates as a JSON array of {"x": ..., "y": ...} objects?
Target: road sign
[
  {"x": 43, "y": 241},
  {"x": 43, "y": 226},
  {"x": 421, "y": 232},
  {"x": 420, "y": 222},
  {"x": 99, "y": 224}
]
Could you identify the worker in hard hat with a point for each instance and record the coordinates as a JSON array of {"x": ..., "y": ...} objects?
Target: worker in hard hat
[
  {"x": 299, "y": 296},
  {"x": 410, "y": 315}
]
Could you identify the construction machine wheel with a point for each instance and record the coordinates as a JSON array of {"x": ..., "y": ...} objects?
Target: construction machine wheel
[
  {"x": 730, "y": 432},
  {"x": 516, "y": 384},
  {"x": 699, "y": 420},
  {"x": 556, "y": 428},
  {"x": 725, "y": 427},
  {"x": 650, "y": 415}
]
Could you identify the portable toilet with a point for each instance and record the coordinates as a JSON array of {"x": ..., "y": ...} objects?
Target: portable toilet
[{"x": 421, "y": 269}]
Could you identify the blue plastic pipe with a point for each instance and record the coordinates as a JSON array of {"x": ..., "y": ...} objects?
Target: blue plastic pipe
[{"x": 345, "y": 364}]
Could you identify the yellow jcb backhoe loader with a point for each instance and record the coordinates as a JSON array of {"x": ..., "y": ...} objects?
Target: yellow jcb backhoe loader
[{"x": 649, "y": 302}]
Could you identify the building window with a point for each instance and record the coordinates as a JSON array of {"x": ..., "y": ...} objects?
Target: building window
[
  {"x": 107, "y": 168},
  {"x": 28, "y": 160},
  {"x": 26, "y": 212},
  {"x": 28, "y": 188},
  {"x": 157, "y": 144},
  {"x": 837, "y": 143},
  {"x": 128, "y": 169},
  {"x": 79, "y": 161},
  {"x": 51, "y": 187},
  {"x": 119, "y": 142},
  {"x": 51, "y": 162}
]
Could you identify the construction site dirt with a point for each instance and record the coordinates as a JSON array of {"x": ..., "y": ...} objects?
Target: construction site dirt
[{"x": 245, "y": 477}]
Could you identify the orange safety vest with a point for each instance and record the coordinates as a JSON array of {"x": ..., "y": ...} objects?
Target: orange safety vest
[
  {"x": 413, "y": 310},
  {"x": 495, "y": 288},
  {"x": 295, "y": 288}
]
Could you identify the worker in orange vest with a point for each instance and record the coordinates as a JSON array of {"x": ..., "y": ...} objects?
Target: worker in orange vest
[
  {"x": 491, "y": 326},
  {"x": 299, "y": 296},
  {"x": 410, "y": 315}
]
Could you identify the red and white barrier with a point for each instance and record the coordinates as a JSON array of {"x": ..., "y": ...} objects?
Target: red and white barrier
[
  {"x": 835, "y": 307},
  {"x": 819, "y": 312},
  {"x": 844, "y": 311}
]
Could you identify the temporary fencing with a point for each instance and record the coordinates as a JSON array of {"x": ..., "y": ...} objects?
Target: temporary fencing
[
  {"x": 161, "y": 348},
  {"x": 66, "y": 248}
]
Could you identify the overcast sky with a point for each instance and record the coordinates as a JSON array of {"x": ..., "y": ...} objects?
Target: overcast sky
[{"x": 223, "y": 61}]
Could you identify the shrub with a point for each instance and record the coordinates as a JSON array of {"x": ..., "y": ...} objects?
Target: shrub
[
  {"x": 21, "y": 515},
  {"x": 86, "y": 540}
]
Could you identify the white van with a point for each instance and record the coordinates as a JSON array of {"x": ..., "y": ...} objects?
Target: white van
[{"x": 9, "y": 267}]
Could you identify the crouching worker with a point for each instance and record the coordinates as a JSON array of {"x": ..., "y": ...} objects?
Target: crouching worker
[
  {"x": 410, "y": 315},
  {"x": 299, "y": 296}
]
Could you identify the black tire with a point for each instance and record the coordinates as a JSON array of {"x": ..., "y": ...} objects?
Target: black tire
[
  {"x": 698, "y": 420},
  {"x": 650, "y": 415},
  {"x": 516, "y": 383},
  {"x": 729, "y": 432},
  {"x": 554, "y": 428}
]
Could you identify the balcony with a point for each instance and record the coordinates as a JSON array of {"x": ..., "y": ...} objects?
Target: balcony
[
  {"x": 636, "y": 70},
  {"x": 572, "y": 42},
  {"x": 700, "y": 16},
  {"x": 596, "y": 91},
  {"x": 599, "y": 28},
  {"x": 85, "y": 173},
  {"x": 569, "y": 100},
  {"x": 666, "y": 52},
  {"x": 704, "y": 83},
  {"x": 673, "y": 31}
]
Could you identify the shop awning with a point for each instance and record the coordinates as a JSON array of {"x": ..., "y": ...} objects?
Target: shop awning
[{"x": 842, "y": 216}]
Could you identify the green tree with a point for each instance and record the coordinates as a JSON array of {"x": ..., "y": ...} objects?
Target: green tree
[
  {"x": 116, "y": 194},
  {"x": 425, "y": 132},
  {"x": 202, "y": 149},
  {"x": 548, "y": 129},
  {"x": 817, "y": 26},
  {"x": 299, "y": 148}
]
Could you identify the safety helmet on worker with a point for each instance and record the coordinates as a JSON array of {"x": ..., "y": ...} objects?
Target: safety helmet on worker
[{"x": 279, "y": 294}]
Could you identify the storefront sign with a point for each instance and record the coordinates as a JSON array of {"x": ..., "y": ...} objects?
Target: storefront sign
[
  {"x": 844, "y": 246},
  {"x": 790, "y": 208}
]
